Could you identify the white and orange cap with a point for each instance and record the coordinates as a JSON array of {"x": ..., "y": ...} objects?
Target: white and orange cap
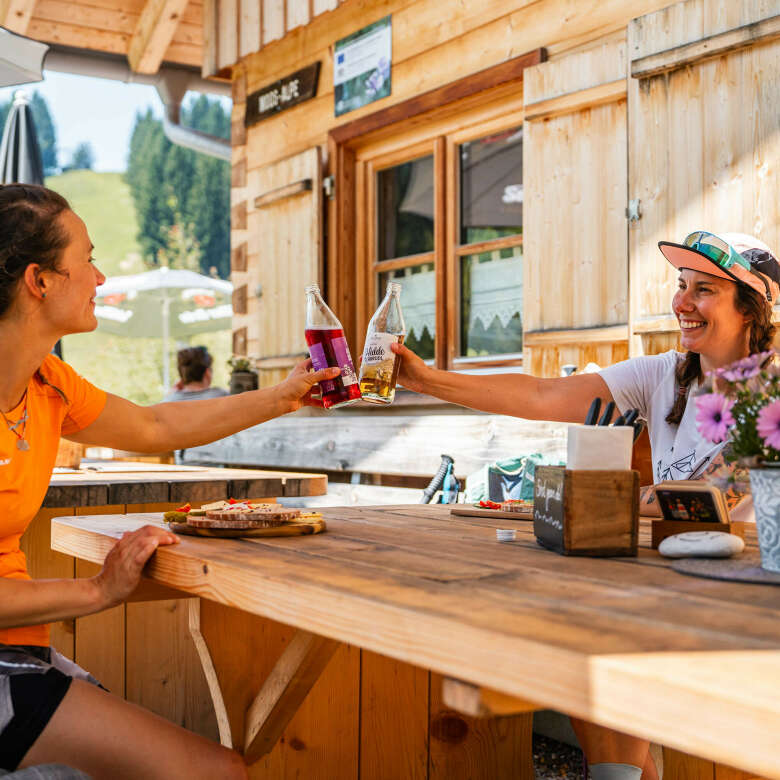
[{"x": 734, "y": 256}]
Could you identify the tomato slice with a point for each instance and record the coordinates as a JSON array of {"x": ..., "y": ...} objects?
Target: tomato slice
[{"x": 185, "y": 508}]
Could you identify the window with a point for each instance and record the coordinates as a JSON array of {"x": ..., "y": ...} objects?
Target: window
[
  {"x": 441, "y": 212},
  {"x": 490, "y": 248}
]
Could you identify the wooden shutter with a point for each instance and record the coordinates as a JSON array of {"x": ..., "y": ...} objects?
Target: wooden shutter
[
  {"x": 574, "y": 227},
  {"x": 285, "y": 254},
  {"x": 704, "y": 140}
]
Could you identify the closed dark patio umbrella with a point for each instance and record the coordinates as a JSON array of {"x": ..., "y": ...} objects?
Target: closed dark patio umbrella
[{"x": 20, "y": 154}]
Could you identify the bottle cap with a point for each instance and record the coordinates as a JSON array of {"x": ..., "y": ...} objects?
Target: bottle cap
[
  {"x": 505, "y": 534},
  {"x": 312, "y": 288},
  {"x": 394, "y": 287}
]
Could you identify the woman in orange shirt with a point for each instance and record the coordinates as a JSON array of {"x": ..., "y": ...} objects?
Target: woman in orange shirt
[{"x": 50, "y": 710}]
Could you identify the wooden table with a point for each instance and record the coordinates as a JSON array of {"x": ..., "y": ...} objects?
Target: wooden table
[
  {"x": 115, "y": 644},
  {"x": 629, "y": 643}
]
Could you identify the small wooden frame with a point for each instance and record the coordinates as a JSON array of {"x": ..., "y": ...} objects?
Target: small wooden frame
[
  {"x": 663, "y": 528},
  {"x": 480, "y": 702},
  {"x": 586, "y": 512}
]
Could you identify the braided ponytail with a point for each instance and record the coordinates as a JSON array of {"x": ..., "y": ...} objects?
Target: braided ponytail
[{"x": 752, "y": 305}]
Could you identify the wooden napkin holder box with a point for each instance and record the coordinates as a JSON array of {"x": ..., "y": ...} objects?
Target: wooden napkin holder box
[
  {"x": 594, "y": 513},
  {"x": 663, "y": 528}
]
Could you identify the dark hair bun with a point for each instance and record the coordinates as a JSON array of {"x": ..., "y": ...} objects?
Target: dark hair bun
[{"x": 193, "y": 362}]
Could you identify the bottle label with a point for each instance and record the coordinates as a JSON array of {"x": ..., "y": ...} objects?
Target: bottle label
[
  {"x": 377, "y": 349},
  {"x": 319, "y": 361},
  {"x": 341, "y": 351}
]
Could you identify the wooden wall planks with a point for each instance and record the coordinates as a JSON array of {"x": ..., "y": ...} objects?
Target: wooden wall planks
[
  {"x": 285, "y": 246},
  {"x": 575, "y": 172},
  {"x": 692, "y": 164},
  {"x": 392, "y": 747},
  {"x": 427, "y": 55},
  {"x": 108, "y": 25}
]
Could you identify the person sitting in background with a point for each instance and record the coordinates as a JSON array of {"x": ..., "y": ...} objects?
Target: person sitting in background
[{"x": 194, "y": 365}]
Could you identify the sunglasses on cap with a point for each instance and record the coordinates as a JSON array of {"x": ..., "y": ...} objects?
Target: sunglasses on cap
[{"x": 724, "y": 255}]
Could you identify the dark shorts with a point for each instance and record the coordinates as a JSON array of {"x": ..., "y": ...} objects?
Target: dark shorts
[{"x": 33, "y": 682}]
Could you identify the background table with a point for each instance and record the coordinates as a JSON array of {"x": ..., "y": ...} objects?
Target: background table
[
  {"x": 143, "y": 650},
  {"x": 629, "y": 643}
]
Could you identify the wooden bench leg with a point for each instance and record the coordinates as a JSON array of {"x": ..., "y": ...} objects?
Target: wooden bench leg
[
  {"x": 223, "y": 722},
  {"x": 283, "y": 692}
]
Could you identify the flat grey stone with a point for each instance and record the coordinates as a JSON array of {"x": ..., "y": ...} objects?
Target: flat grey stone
[{"x": 701, "y": 544}]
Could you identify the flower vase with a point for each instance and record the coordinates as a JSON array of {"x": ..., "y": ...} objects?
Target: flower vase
[
  {"x": 765, "y": 486},
  {"x": 242, "y": 381}
]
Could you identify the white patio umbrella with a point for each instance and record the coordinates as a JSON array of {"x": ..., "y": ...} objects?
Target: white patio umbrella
[
  {"x": 167, "y": 303},
  {"x": 21, "y": 59}
]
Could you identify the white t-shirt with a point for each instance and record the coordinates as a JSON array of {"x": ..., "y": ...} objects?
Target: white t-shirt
[{"x": 647, "y": 384}]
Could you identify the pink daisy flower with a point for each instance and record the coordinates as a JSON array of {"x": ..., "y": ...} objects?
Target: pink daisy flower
[
  {"x": 745, "y": 368},
  {"x": 768, "y": 424},
  {"x": 713, "y": 418}
]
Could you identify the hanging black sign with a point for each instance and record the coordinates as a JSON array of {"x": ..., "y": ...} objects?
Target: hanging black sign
[{"x": 290, "y": 91}]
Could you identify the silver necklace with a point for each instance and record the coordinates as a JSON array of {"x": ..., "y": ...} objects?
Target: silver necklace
[{"x": 21, "y": 442}]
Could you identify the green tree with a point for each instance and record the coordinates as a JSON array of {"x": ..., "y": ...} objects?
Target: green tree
[
  {"x": 179, "y": 194},
  {"x": 83, "y": 158}
]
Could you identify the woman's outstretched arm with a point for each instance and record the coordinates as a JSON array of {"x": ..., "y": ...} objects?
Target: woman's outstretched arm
[
  {"x": 179, "y": 425},
  {"x": 562, "y": 399}
]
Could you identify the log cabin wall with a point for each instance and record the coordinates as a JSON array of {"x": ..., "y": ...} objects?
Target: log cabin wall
[
  {"x": 586, "y": 55},
  {"x": 601, "y": 128},
  {"x": 704, "y": 140}
]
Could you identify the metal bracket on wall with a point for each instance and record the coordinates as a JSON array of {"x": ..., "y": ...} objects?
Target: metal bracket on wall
[
  {"x": 634, "y": 210},
  {"x": 329, "y": 185}
]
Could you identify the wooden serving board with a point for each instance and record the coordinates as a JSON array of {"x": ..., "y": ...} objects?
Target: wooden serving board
[
  {"x": 293, "y": 528},
  {"x": 473, "y": 511}
]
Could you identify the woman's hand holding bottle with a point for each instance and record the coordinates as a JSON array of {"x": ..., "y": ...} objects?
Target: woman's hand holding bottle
[
  {"x": 297, "y": 390},
  {"x": 413, "y": 374}
]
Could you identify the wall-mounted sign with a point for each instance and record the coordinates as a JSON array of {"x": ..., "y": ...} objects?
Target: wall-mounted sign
[
  {"x": 361, "y": 69},
  {"x": 283, "y": 94}
]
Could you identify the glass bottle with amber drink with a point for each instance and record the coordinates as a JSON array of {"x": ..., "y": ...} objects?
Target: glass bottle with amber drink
[{"x": 379, "y": 369}]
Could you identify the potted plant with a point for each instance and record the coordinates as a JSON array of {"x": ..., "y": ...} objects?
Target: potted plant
[
  {"x": 743, "y": 405},
  {"x": 243, "y": 375}
]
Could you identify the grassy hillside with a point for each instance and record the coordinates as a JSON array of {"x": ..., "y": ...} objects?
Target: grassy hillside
[
  {"x": 125, "y": 366},
  {"x": 104, "y": 202}
]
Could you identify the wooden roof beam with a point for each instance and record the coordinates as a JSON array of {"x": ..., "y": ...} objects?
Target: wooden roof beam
[
  {"x": 15, "y": 15},
  {"x": 153, "y": 34}
]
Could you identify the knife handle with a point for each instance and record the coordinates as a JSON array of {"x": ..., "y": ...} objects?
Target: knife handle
[
  {"x": 593, "y": 412},
  {"x": 608, "y": 412}
]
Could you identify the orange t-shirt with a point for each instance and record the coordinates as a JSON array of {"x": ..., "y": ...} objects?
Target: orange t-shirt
[{"x": 24, "y": 474}]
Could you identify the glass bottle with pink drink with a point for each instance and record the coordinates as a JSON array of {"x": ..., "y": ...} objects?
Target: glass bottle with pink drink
[{"x": 328, "y": 348}]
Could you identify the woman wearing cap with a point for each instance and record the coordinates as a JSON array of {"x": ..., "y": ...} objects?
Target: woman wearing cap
[
  {"x": 50, "y": 710},
  {"x": 726, "y": 288}
]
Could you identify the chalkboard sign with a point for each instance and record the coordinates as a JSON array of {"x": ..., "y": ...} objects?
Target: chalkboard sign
[
  {"x": 548, "y": 506},
  {"x": 584, "y": 512},
  {"x": 285, "y": 93}
]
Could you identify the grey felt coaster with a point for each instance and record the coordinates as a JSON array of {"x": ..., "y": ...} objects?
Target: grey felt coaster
[{"x": 746, "y": 568}]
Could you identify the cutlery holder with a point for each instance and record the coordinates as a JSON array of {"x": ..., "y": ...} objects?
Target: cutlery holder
[{"x": 583, "y": 512}]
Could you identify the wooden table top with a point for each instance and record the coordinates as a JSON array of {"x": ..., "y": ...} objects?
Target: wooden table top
[
  {"x": 629, "y": 643},
  {"x": 101, "y": 483}
]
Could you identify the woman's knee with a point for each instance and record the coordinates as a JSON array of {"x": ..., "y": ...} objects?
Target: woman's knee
[{"x": 229, "y": 764}]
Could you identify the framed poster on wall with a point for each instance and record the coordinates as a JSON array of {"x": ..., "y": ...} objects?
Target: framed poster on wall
[{"x": 361, "y": 70}]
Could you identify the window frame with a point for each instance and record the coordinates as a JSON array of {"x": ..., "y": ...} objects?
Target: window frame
[{"x": 469, "y": 108}]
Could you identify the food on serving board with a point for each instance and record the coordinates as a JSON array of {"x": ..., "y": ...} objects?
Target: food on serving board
[{"x": 216, "y": 513}]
